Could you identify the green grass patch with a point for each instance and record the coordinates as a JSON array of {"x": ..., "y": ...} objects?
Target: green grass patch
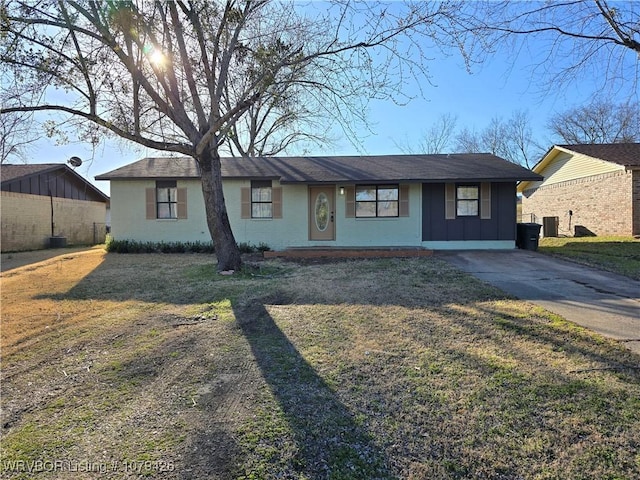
[{"x": 615, "y": 254}]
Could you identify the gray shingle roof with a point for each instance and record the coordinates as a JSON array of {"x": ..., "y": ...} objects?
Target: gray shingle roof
[
  {"x": 332, "y": 169},
  {"x": 626, "y": 154},
  {"x": 10, "y": 172}
]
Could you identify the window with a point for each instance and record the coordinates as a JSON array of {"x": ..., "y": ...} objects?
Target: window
[
  {"x": 166, "y": 199},
  {"x": 377, "y": 201},
  {"x": 261, "y": 199},
  {"x": 467, "y": 201}
]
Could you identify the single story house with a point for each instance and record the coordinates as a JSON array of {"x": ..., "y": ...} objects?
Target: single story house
[
  {"x": 430, "y": 201},
  {"x": 587, "y": 189},
  {"x": 41, "y": 202}
]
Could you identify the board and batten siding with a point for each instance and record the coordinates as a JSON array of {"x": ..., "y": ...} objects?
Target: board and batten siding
[
  {"x": 571, "y": 166},
  {"x": 496, "y": 221}
]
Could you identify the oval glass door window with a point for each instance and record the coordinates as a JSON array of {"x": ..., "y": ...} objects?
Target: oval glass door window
[{"x": 322, "y": 212}]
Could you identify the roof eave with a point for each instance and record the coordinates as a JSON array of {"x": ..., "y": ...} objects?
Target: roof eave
[
  {"x": 62, "y": 166},
  {"x": 39, "y": 172},
  {"x": 129, "y": 177},
  {"x": 413, "y": 180}
]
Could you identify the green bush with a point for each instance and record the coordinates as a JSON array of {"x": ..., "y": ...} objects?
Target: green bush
[
  {"x": 263, "y": 247},
  {"x": 133, "y": 246},
  {"x": 250, "y": 248}
]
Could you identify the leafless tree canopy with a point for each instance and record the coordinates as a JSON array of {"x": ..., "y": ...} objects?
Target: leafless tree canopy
[
  {"x": 16, "y": 136},
  {"x": 191, "y": 76},
  {"x": 571, "y": 38},
  {"x": 601, "y": 121},
  {"x": 510, "y": 138}
]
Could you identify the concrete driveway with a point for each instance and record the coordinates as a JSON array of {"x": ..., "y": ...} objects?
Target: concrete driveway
[{"x": 603, "y": 302}]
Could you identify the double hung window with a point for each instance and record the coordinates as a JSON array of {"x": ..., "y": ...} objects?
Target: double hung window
[
  {"x": 166, "y": 199},
  {"x": 261, "y": 199},
  {"x": 467, "y": 201}
]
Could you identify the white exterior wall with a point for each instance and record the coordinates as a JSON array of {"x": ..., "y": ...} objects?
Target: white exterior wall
[
  {"x": 277, "y": 233},
  {"x": 292, "y": 230},
  {"x": 128, "y": 214},
  {"x": 381, "y": 232}
]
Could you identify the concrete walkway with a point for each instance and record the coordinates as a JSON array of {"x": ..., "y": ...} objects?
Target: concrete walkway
[
  {"x": 603, "y": 302},
  {"x": 10, "y": 261}
]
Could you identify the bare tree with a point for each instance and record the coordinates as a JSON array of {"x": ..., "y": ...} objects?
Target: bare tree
[
  {"x": 511, "y": 139},
  {"x": 278, "y": 120},
  {"x": 16, "y": 135},
  {"x": 437, "y": 138},
  {"x": 523, "y": 147},
  {"x": 601, "y": 121},
  {"x": 469, "y": 141},
  {"x": 572, "y": 38},
  {"x": 166, "y": 75}
]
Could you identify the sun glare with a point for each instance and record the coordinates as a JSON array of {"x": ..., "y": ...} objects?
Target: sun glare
[{"x": 157, "y": 58}]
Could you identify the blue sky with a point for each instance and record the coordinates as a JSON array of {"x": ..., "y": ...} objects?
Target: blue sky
[{"x": 496, "y": 88}]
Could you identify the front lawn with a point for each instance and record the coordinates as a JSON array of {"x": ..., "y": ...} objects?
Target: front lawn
[
  {"x": 615, "y": 254},
  {"x": 120, "y": 366}
]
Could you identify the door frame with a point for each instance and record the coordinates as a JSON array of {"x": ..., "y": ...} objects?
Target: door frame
[{"x": 314, "y": 234}]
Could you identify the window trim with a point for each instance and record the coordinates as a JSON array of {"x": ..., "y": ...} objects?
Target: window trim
[
  {"x": 260, "y": 184},
  {"x": 151, "y": 194},
  {"x": 470, "y": 201},
  {"x": 451, "y": 200},
  {"x": 171, "y": 186},
  {"x": 377, "y": 201},
  {"x": 246, "y": 204}
]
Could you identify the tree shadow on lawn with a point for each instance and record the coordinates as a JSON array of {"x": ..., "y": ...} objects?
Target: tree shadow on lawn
[
  {"x": 329, "y": 438},
  {"x": 561, "y": 336},
  {"x": 331, "y": 443}
]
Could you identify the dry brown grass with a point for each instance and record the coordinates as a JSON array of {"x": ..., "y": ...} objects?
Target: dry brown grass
[{"x": 356, "y": 369}]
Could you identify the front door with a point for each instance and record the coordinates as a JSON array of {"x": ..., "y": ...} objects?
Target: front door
[{"x": 321, "y": 213}]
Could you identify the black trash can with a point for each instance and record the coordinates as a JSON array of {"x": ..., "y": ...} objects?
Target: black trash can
[{"x": 527, "y": 235}]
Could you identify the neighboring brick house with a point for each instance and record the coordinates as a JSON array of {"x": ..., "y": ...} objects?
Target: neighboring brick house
[
  {"x": 41, "y": 201},
  {"x": 591, "y": 189}
]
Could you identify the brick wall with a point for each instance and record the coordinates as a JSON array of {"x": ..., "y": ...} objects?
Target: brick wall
[
  {"x": 636, "y": 202},
  {"x": 26, "y": 221},
  {"x": 606, "y": 204}
]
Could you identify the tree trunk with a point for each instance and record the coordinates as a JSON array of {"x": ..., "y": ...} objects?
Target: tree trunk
[{"x": 227, "y": 251}]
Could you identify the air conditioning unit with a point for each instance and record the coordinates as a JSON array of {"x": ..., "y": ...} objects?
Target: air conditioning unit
[{"x": 550, "y": 226}]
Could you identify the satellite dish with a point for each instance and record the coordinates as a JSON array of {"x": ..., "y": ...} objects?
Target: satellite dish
[{"x": 75, "y": 161}]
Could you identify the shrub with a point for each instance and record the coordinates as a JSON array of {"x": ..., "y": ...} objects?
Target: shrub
[
  {"x": 250, "y": 248},
  {"x": 263, "y": 247},
  {"x": 245, "y": 247},
  {"x": 133, "y": 246}
]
